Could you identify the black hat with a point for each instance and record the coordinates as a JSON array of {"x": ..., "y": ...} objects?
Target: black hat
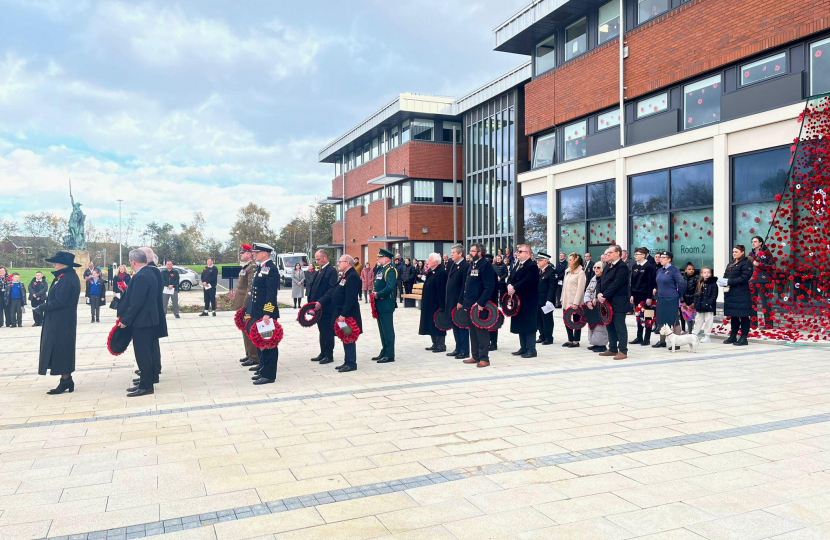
[
  {"x": 669, "y": 254},
  {"x": 488, "y": 257},
  {"x": 64, "y": 257}
]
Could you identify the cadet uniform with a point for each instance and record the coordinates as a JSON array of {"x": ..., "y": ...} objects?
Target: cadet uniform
[
  {"x": 547, "y": 293},
  {"x": 243, "y": 296},
  {"x": 263, "y": 302},
  {"x": 643, "y": 283},
  {"x": 386, "y": 282}
]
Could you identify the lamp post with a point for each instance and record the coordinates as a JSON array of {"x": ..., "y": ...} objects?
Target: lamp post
[{"x": 119, "y": 231}]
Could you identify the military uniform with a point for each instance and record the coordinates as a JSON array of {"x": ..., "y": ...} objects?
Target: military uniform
[
  {"x": 243, "y": 296},
  {"x": 547, "y": 294},
  {"x": 264, "y": 287},
  {"x": 386, "y": 281}
]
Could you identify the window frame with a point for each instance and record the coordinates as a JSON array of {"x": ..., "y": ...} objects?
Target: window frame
[
  {"x": 600, "y": 22},
  {"x": 430, "y": 184},
  {"x": 638, "y": 115},
  {"x": 609, "y": 126},
  {"x": 418, "y": 122},
  {"x": 536, "y": 140},
  {"x": 684, "y": 90},
  {"x": 637, "y": 7},
  {"x": 565, "y": 140},
  {"x": 459, "y": 192},
  {"x": 549, "y": 39},
  {"x": 584, "y": 22},
  {"x": 783, "y": 54},
  {"x": 405, "y": 132},
  {"x": 585, "y": 221},
  {"x": 811, "y": 57}
]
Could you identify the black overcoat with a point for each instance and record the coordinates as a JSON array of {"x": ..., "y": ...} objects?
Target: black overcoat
[
  {"x": 60, "y": 321},
  {"x": 737, "y": 301},
  {"x": 456, "y": 276},
  {"x": 322, "y": 289},
  {"x": 344, "y": 297},
  {"x": 161, "y": 329},
  {"x": 433, "y": 299},
  {"x": 614, "y": 286},
  {"x": 525, "y": 281}
]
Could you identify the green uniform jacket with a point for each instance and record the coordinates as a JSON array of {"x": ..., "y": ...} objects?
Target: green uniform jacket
[{"x": 386, "y": 282}]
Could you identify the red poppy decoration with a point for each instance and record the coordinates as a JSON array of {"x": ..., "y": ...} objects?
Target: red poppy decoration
[
  {"x": 265, "y": 343},
  {"x": 310, "y": 314},
  {"x": 374, "y": 308},
  {"x": 118, "y": 339},
  {"x": 574, "y": 317},
  {"x": 350, "y": 333},
  {"x": 605, "y": 313},
  {"x": 510, "y": 305},
  {"x": 484, "y": 317},
  {"x": 239, "y": 319},
  {"x": 639, "y": 313}
]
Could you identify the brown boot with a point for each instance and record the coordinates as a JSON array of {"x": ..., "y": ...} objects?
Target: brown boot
[{"x": 620, "y": 356}]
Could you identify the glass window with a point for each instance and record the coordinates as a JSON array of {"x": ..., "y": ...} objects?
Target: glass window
[
  {"x": 649, "y": 193},
  {"x": 338, "y": 212},
  {"x": 609, "y": 21},
  {"x": 820, "y": 67},
  {"x": 545, "y": 147},
  {"x": 651, "y": 231},
  {"x": 572, "y": 204},
  {"x": 366, "y": 200},
  {"x": 358, "y": 158},
  {"x": 423, "y": 130},
  {"x": 536, "y": 222},
  {"x": 446, "y": 192},
  {"x": 702, "y": 101},
  {"x": 406, "y": 192},
  {"x": 375, "y": 148},
  {"x": 652, "y": 105},
  {"x": 692, "y": 186},
  {"x": 423, "y": 191},
  {"x": 405, "y": 132},
  {"x": 648, "y": 9},
  {"x": 350, "y": 163},
  {"x": 602, "y": 199},
  {"x": 692, "y": 240},
  {"x": 760, "y": 176},
  {"x": 576, "y": 38},
  {"x": 764, "y": 68},
  {"x": 608, "y": 119},
  {"x": 602, "y": 233},
  {"x": 393, "y": 192},
  {"x": 421, "y": 250},
  {"x": 546, "y": 55},
  {"x": 575, "y": 140},
  {"x": 572, "y": 238},
  {"x": 447, "y": 132},
  {"x": 393, "y": 138},
  {"x": 752, "y": 219}
]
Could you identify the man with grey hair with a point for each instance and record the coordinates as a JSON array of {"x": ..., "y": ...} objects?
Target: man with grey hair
[
  {"x": 456, "y": 276},
  {"x": 138, "y": 310},
  {"x": 161, "y": 329},
  {"x": 433, "y": 300}
]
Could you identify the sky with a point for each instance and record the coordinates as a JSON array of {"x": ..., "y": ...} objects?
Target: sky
[{"x": 203, "y": 105}]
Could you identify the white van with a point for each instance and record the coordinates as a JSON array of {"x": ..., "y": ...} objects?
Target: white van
[{"x": 285, "y": 264}]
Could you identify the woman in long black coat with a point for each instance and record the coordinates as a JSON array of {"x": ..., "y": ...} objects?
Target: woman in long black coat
[
  {"x": 737, "y": 296},
  {"x": 433, "y": 299},
  {"x": 57, "y": 338}
]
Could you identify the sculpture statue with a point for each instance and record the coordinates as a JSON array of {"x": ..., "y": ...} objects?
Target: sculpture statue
[{"x": 75, "y": 239}]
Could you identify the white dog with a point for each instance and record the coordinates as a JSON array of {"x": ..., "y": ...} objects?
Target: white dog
[{"x": 673, "y": 340}]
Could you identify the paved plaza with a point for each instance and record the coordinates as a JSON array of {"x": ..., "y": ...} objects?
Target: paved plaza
[{"x": 730, "y": 443}]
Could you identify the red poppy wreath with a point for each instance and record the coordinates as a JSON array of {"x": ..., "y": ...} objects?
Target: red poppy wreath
[
  {"x": 261, "y": 342},
  {"x": 374, "y": 309},
  {"x": 352, "y": 334},
  {"x": 239, "y": 319},
  {"x": 119, "y": 339},
  {"x": 309, "y": 314},
  {"x": 510, "y": 305}
]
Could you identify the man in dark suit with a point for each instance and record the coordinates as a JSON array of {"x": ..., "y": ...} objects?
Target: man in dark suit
[
  {"x": 456, "y": 275},
  {"x": 433, "y": 299},
  {"x": 321, "y": 291},
  {"x": 613, "y": 289},
  {"x": 524, "y": 284},
  {"x": 345, "y": 304},
  {"x": 478, "y": 288},
  {"x": 138, "y": 310},
  {"x": 161, "y": 329},
  {"x": 263, "y": 305},
  {"x": 209, "y": 278},
  {"x": 561, "y": 266}
]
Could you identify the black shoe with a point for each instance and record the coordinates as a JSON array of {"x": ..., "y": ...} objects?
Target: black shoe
[
  {"x": 529, "y": 354},
  {"x": 63, "y": 386},
  {"x": 600, "y": 349},
  {"x": 133, "y": 388},
  {"x": 386, "y": 360},
  {"x": 636, "y": 341},
  {"x": 254, "y": 367},
  {"x": 93, "y": 320},
  {"x": 574, "y": 345},
  {"x": 519, "y": 352},
  {"x": 378, "y": 357},
  {"x": 214, "y": 314},
  {"x": 141, "y": 392},
  {"x": 97, "y": 319},
  {"x": 177, "y": 316},
  {"x": 547, "y": 342},
  {"x": 566, "y": 344},
  {"x": 658, "y": 345},
  {"x": 429, "y": 348},
  {"x": 462, "y": 356},
  {"x": 136, "y": 381},
  {"x": 742, "y": 341},
  {"x": 255, "y": 377},
  {"x": 540, "y": 340},
  {"x": 247, "y": 363},
  {"x": 439, "y": 349},
  {"x": 493, "y": 347},
  {"x": 263, "y": 380},
  {"x": 454, "y": 353},
  {"x": 203, "y": 314},
  {"x": 137, "y": 372},
  {"x": 243, "y": 359},
  {"x": 730, "y": 339},
  {"x": 36, "y": 324},
  {"x": 646, "y": 342},
  {"x": 318, "y": 358},
  {"x": 346, "y": 369},
  {"x": 327, "y": 360}
]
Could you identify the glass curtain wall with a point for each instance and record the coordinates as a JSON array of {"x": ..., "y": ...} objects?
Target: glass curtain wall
[
  {"x": 587, "y": 222},
  {"x": 490, "y": 159}
]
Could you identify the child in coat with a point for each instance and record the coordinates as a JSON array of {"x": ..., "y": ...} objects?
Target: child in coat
[{"x": 706, "y": 300}]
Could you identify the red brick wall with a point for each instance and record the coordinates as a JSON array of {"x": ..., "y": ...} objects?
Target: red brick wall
[
  {"x": 692, "y": 39},
  {"x": 415, "y": 159}
]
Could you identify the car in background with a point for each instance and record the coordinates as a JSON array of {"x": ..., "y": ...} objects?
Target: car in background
[
  {"x": 187, "y": 278},
  {"x": 285, "y": 265}
]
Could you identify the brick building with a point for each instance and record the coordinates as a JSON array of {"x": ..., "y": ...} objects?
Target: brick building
[{"x": 677, "y": 138}]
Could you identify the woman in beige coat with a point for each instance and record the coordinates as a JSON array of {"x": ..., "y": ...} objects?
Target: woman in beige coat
[{"x": 573, "y": 291}]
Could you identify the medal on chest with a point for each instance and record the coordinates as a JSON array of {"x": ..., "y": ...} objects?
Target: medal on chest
[{"x": 265, "y": 270}]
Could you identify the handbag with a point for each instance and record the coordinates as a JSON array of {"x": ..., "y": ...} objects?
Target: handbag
[{"x": 114, "y": 303}]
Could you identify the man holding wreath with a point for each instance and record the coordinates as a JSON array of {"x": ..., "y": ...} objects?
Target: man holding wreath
[{"x": 263, "y": 305}]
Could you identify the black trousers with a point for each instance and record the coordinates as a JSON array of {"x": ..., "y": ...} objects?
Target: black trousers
[
  {"x": 366, "y": 294},
  {"x": 618, "y": 333},
  {"x": 350, "y": 353},
  {"x": 145, "y": 345},
  {"x": 462, "y": 339},
  {"x": 494, "y": 337},
  {"x": 37, "y": 315},
  {"x": 479, "y": 343},
  {"x": 407, "y": 287},
  {"x": 573, "y": 335},
  {"x": 527, "y": 342},
  {"x": 544, "y": 323},
  {"x": 400, "y": 288},
  {"x": 268, "y": 359},
  {"x": 95, "y": 306},
  {"x": 558, "y": 294},
  {"x": 210, "y": 299},
  {"x": 325, "y": 326},
  {"x": 743, "y": 323},
  {"x": 5, "y": 312},
  {"x": 15, "y": 312}
]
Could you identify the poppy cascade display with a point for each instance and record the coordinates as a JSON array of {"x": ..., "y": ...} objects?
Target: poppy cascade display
[{"x": 798, "y": 239}]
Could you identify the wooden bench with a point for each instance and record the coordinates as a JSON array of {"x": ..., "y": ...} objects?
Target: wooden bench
[{"x": 413, "y": 299}]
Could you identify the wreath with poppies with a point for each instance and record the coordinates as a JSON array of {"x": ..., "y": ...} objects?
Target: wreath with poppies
[
  {"x": 239, "y": 319},
  {"x": 510, "y": 305},
  {"x": 605, "y": 314},
  {"x": 374, "y": 309},
  {"x": 484, "y": 317},
  {"x": 354, "y": 331},
  {"x": 639, "y": 313},
  {"x": 121, "y": 342},
  {"x": 309, "y": 314},
  {"x": 574, "y": 317},
  {"x": 265, "y": 343}
]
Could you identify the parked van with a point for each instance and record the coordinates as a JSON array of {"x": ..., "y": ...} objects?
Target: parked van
[{"x": 285, "y": 264}]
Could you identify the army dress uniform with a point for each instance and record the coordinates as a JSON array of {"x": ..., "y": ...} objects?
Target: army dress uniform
[
  {"x": 264, "y": 287},
  {"x": 386, "y": 282},
  {"x": 243, "y": 296}
]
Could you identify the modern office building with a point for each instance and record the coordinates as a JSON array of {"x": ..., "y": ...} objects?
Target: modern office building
[{"x": 694, "y": 158}]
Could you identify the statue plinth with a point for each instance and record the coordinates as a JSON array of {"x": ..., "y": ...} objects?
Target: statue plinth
[{"x": 82, "y": 258}]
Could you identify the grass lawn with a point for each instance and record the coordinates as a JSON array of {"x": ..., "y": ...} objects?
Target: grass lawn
[
  {"x": 28, "y": 274},
  {"x": 199, "y": 267}
]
